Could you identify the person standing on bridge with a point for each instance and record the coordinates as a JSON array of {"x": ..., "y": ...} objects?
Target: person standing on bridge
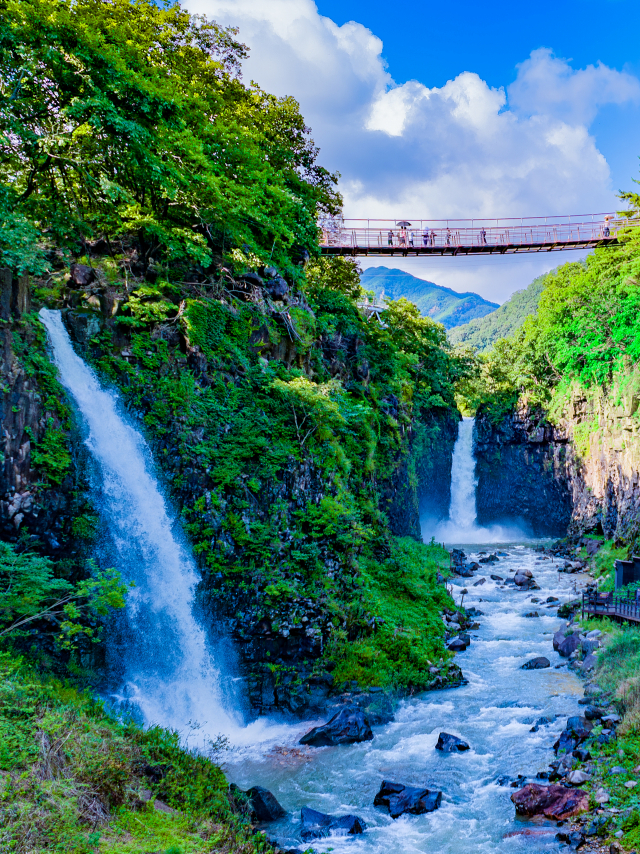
[
  {"x": 425, "y": 237},
  {"x": 403, "y": 236},
  {"x": 448, "y": 237},
  {"x": 607, "y": 231},
  {"x": 390, "y": 238},
  {"x": 433, "y": 237},
  {"x": 483, "y": 236}
]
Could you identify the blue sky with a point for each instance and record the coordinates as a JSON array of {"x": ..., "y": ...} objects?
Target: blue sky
[
  {"x": 434, "y": 41},
  {"x": 437, "y": 110}
]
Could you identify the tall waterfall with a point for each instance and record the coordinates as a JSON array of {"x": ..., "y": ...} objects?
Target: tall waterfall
[
  {"x": 163, "y": 657},
  {"x": 461, "y": 526}
]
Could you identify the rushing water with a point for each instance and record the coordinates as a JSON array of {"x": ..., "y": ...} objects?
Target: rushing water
[
  {"x": 494, "y": 712},
  {"x": 461, "y": 526},
  {"x": 167, "y": 669},
  {"x": 158, "y": 651}
]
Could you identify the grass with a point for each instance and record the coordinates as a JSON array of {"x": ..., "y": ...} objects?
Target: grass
[
  {"x": 406, "y": 639},
  {"x": 74, "y": 780}
]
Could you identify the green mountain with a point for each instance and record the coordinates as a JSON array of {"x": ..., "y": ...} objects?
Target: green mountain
[
  {"x": 483, "y": 332},
  {"x": 442, "y": 304}
]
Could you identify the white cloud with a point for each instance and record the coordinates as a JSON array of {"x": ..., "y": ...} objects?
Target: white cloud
[{"x": 462, "y": 150}]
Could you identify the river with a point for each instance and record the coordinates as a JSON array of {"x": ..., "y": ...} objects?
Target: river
[{"x": 494, "y": 712}]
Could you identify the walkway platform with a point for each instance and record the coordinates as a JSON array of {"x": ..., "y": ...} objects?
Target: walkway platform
[
  {"x": 609, "y": 605},
  {"x": 406, "y": 238}
]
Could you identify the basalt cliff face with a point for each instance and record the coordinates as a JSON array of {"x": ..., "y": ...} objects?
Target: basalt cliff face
[
  {"x": 578, "y": 474},
  {"x": 278, "y": 533}
]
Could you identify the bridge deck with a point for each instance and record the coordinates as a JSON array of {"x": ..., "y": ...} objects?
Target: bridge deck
[
  {"x": 615, "y": 607},
  {"x": 469, "y": 237}
]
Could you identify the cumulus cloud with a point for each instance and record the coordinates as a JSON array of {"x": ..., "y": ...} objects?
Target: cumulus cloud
[{"x": 461, "y": 150}]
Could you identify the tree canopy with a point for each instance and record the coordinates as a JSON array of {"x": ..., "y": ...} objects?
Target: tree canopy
[{"x": 130, "y": 117}]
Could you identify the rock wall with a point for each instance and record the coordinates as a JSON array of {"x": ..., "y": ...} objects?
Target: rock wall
[
  {"x": 37, "y": 502},
  {"x": 522, "y": 473},
  {"x": 578, "y": 474}
]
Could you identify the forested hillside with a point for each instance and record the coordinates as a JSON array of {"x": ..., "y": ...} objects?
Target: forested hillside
[
  {"x": 483, "y": 332},
  {"x": 440, "y": 304},
  {"x": 169, "y": 211}
]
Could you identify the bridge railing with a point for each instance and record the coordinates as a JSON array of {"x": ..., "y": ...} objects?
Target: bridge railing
[
  {"x": 450, "y": 234},
  {"x": 608, "y": 604}
]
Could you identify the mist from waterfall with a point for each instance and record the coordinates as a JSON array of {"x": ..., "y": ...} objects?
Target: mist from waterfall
[
  {"x": 462, "y": 526},
  {"x": 163, "y": 665}
]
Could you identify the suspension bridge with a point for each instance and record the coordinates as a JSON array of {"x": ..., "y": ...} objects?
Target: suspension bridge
[{"x": 470, "y": 236}]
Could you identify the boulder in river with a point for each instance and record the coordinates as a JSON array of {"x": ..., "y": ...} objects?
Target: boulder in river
[
  {"x": 347, "y": 726},
  {"x": 316, "y": 825},
  {"x": 264, "y": 805},
  {"x": 457, "y": 645},
  {"x": 554, "y": 802},
  {"x": 401, "y": 799},
  {"x": 496, "y": 578},
  {"x": 538, "y": 663},
  {"x": 450, "y": 743},
  {"x": 479, "y": 582},
  {"x": 569, "y": 644},
  {"x": 558, "y": 638}
]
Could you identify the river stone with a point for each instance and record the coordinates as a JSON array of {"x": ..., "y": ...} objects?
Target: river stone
[
  {"x": 264, "y": 805},
  {"x": 538, "y": 663},
  {"x": 558, "y": 638},
  {"x": 589, "y": 645},
  {"x": 347, "y": 726},
  {"x": 316, "y": 825},
  {"x": 521, "y": 580},
  {"x": 569, "y": 644},
  {"x": 589, "y": 663},
  {"x": 577, "y": 778},
  {"x": 594, "y": 634},
  {"x": 450, "y": 743},
  {"x": 496, "y": 578},
  {"x": 575, "y": 732},
  {"x": 532, "y": 614},
  {"x": 479, "y": 582},
  {"x": 457, "y": 645},
  {"x": 554, "y": 802},
  {"x": 401, "y": 799}
]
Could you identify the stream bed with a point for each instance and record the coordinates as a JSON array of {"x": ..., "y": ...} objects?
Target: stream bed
[{"x": 494, "y": 713}]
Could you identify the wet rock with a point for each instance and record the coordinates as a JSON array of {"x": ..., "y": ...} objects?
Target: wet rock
[
  {"x": 555, "y": 802},
  {"x": 264, "y": 804},
  {"x": 457, "y": 645},
  {"x": 575, "y": 732},
  {"x": 479, "y": 582},
  {"x": 582, "y": 754},
  {"x": 550, "y": 599},
  {"x": 558, "y": 638},
  {"x": 450, "y": 743},
  {"x": 348, "y": 726},
  {"x": 406, "y": 799},
  {"x": 496, "y": 578},
  {"x": 569, "y": 644},
  {"x": 317, "y": 825},
  {"x": 532, "y": 614},
  {"x": 538, "y": 663},
  {"x": 573, "y": 838}
]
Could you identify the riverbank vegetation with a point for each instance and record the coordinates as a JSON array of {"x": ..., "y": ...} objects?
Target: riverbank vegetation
[{"x": 585, "y": 333}]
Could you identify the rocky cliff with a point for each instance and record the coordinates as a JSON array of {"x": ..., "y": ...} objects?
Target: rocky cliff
[
  {"x": 577, "y": 474},
  {"x": 294, "y": 461}
]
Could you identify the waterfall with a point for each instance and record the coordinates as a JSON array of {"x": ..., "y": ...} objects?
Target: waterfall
[
  {"x": 164, "y": 658},
  {"x": 461, "y": 526}
]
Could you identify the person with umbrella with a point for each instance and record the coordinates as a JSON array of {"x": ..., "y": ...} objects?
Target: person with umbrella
[{"x": 403, "y": 231}]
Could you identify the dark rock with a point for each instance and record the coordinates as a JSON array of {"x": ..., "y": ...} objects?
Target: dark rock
[
  {"x": 317, "y": 825},
  {"x": 551, "y": 599},
  {"x": 347, "y": 726},
  {"x": 82, "y": 275},
  {"x": 277, "y": 287},
  {"x": 402, "y": 799},
  {"x": 496, "y": 578},
  {"x": 457, "y": 645},
  {"x": 532, "y": 614},
  {"x": 252, "y": 279},
  {"x": 558, "y": 638},
  {"x": 264, "y": 805},
  {"x": 569, "y": 644},
  {"x": 538, "y": 663},
  {"x": 582, "y": 754},
  {"x": 575, "y": 732},
  {"x": 450, "y": 743},
  {"x": 572, "y": 838},
  {"x": 479, "y": 582},
  {"x": 554, "y": 802}
]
